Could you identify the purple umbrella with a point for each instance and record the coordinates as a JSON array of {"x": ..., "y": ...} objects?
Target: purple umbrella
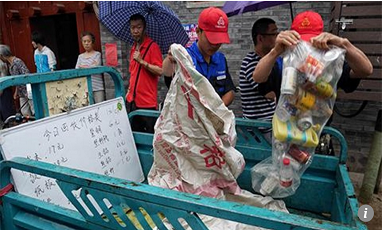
[{"x": 240, "y": 7}]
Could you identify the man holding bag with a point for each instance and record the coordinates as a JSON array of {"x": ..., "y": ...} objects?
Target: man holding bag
[
  {"x": 308, "y": 26},
  {"x": 145, "y": 69},
  {"x": 212, "y": 32}
]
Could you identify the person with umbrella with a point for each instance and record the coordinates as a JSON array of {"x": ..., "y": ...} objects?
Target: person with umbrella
[
  {"x": 145, "y": 69},
  {"x": 212, "y": 32}
]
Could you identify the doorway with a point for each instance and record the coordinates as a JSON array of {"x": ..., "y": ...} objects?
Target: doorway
[{"x": 60, "y": 32}]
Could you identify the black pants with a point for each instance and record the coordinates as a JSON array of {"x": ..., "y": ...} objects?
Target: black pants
[{"x": 6, "y": 104}]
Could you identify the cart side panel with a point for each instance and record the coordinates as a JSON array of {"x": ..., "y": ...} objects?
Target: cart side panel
[
  {"x": 172, "y": 204},
  {"x": 345, "y": 207},
  {"x": 318, "y": 180}
]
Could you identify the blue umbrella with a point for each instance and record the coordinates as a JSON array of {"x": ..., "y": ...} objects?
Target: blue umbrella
[
  {"x": 240, "y": 7},
  {"x": 163, "y": 25}
]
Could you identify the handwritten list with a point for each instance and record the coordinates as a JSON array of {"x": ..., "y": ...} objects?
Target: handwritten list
[{"x": 96, "y": 138}]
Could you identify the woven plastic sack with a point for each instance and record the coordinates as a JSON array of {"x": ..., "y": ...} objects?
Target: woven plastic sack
[
  {"x": 194, "y": 143},
  {"x": 308, "y": 93}
]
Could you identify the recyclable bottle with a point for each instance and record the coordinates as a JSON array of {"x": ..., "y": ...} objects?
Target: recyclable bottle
[
  {"x": 269, "y": 184},
  {"x": 286, "y": 173},
  {"x": 304, "y": 120},
  {"x": 304, "y": 101},
  {"x": 285, "y": 109},
  {"x": 289, "y": 81},
  {"x": 324, "y": 89}
]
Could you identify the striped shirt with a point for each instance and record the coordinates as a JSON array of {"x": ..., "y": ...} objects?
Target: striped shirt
[
  {"x": 255, "y": 105},
  {"x": 89, "y": 62}
]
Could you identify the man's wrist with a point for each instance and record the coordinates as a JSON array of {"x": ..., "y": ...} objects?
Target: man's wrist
[
  {"x": 345, "y": 43},
  {"x": 145, "y": 64},
  {"x": 275, "y": 53}
]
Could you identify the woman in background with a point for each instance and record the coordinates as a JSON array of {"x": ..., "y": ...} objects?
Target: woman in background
[
  {"x": 91, "y": 58},
  {"x": 17, "y": 67}
]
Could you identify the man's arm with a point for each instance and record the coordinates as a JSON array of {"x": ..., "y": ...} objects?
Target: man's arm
[
  {"x": 284, "y": 40},
  {"x": 156, "y": 70},
  {"x": 228, "y": 98},
  {"x": 168, "y": 65},
  {"x": 155, "y": 57},
  {"x": 51, "y": 60},
  {"x": 360, "y": 65},
  {"x": 264, "y": 67}
]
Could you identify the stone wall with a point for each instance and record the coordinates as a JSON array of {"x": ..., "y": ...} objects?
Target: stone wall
[{"x": 358, "y": 131}]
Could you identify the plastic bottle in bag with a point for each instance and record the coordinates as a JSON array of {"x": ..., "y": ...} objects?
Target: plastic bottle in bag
[
  {"x": 324, "y": 89},
  {"x": 289, "y": 81},
  {"x": 304, "y": 101},
  {"x": 269, "y": 184},
  {"x": 286, "y": 109},
  {"x": 286, "y": 173},
  {"x": 304, "y": 120}
]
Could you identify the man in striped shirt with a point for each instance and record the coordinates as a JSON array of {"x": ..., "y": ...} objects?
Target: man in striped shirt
[{"x": 254, "y": 104}]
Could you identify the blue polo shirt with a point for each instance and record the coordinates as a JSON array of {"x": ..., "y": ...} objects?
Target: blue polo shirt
[{"x": 216, "y": 71}]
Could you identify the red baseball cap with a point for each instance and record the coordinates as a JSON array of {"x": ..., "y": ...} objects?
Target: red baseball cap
[
  {"x": 214, "y": 22},
  {"x": 308, "y": 24}
]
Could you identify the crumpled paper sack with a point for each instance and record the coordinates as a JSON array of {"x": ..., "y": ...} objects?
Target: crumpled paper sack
[{"x": 194, "y": 144}]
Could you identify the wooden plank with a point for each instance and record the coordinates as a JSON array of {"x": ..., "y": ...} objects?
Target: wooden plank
[
  {"x": 365, "y": 23},
  {"x": 362, "y": 36},
  {"x": 370, "y": 49},
  {"x": 363, "y": 3},
  {"x": 370, "y": 84},
  {"x": 362, "y": 10},
  {"x": 335, "y": 15},
  {"x": 375, "y": 61},
  {"x": 361, "y": 96},
  {"x": 377, "y": 74}
]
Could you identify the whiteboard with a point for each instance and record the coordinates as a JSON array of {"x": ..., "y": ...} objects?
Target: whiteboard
[{"x": 96, "y": 138}]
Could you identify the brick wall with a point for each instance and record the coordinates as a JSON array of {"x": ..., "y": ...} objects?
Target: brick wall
[
  {"x": 240, "y": 26},
  {"x": 123, "y": 64},
  {"x": 358, "y": 130}
]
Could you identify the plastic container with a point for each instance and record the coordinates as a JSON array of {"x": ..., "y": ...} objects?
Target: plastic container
[{"x": 289, "y": 132}]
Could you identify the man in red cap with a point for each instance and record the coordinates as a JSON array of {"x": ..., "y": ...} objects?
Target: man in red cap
[
  {"x": 212, "y": 32},
  {"x": 308, "y": 26}
]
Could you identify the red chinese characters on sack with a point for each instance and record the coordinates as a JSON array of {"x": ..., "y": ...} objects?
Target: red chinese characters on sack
[
  {"x": 189, "y": 105},
  {"x": 215, "y": 158}
]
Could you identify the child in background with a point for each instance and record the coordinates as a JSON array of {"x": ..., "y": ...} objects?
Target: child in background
[{"x": 44, "y": 57}]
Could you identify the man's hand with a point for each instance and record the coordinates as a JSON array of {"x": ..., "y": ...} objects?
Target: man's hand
[
  {"x": 168, "y": 64},
  {"x": 170, "y": 57},
  {"x": 137, "y": 57},
  {"x": 325, "y": 39},
  {"x": 286, "y": 39},
  {"x": 271, "y": 96}
]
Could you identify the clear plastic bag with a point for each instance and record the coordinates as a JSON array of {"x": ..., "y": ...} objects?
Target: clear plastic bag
[{"x": 308, "y": 93}]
